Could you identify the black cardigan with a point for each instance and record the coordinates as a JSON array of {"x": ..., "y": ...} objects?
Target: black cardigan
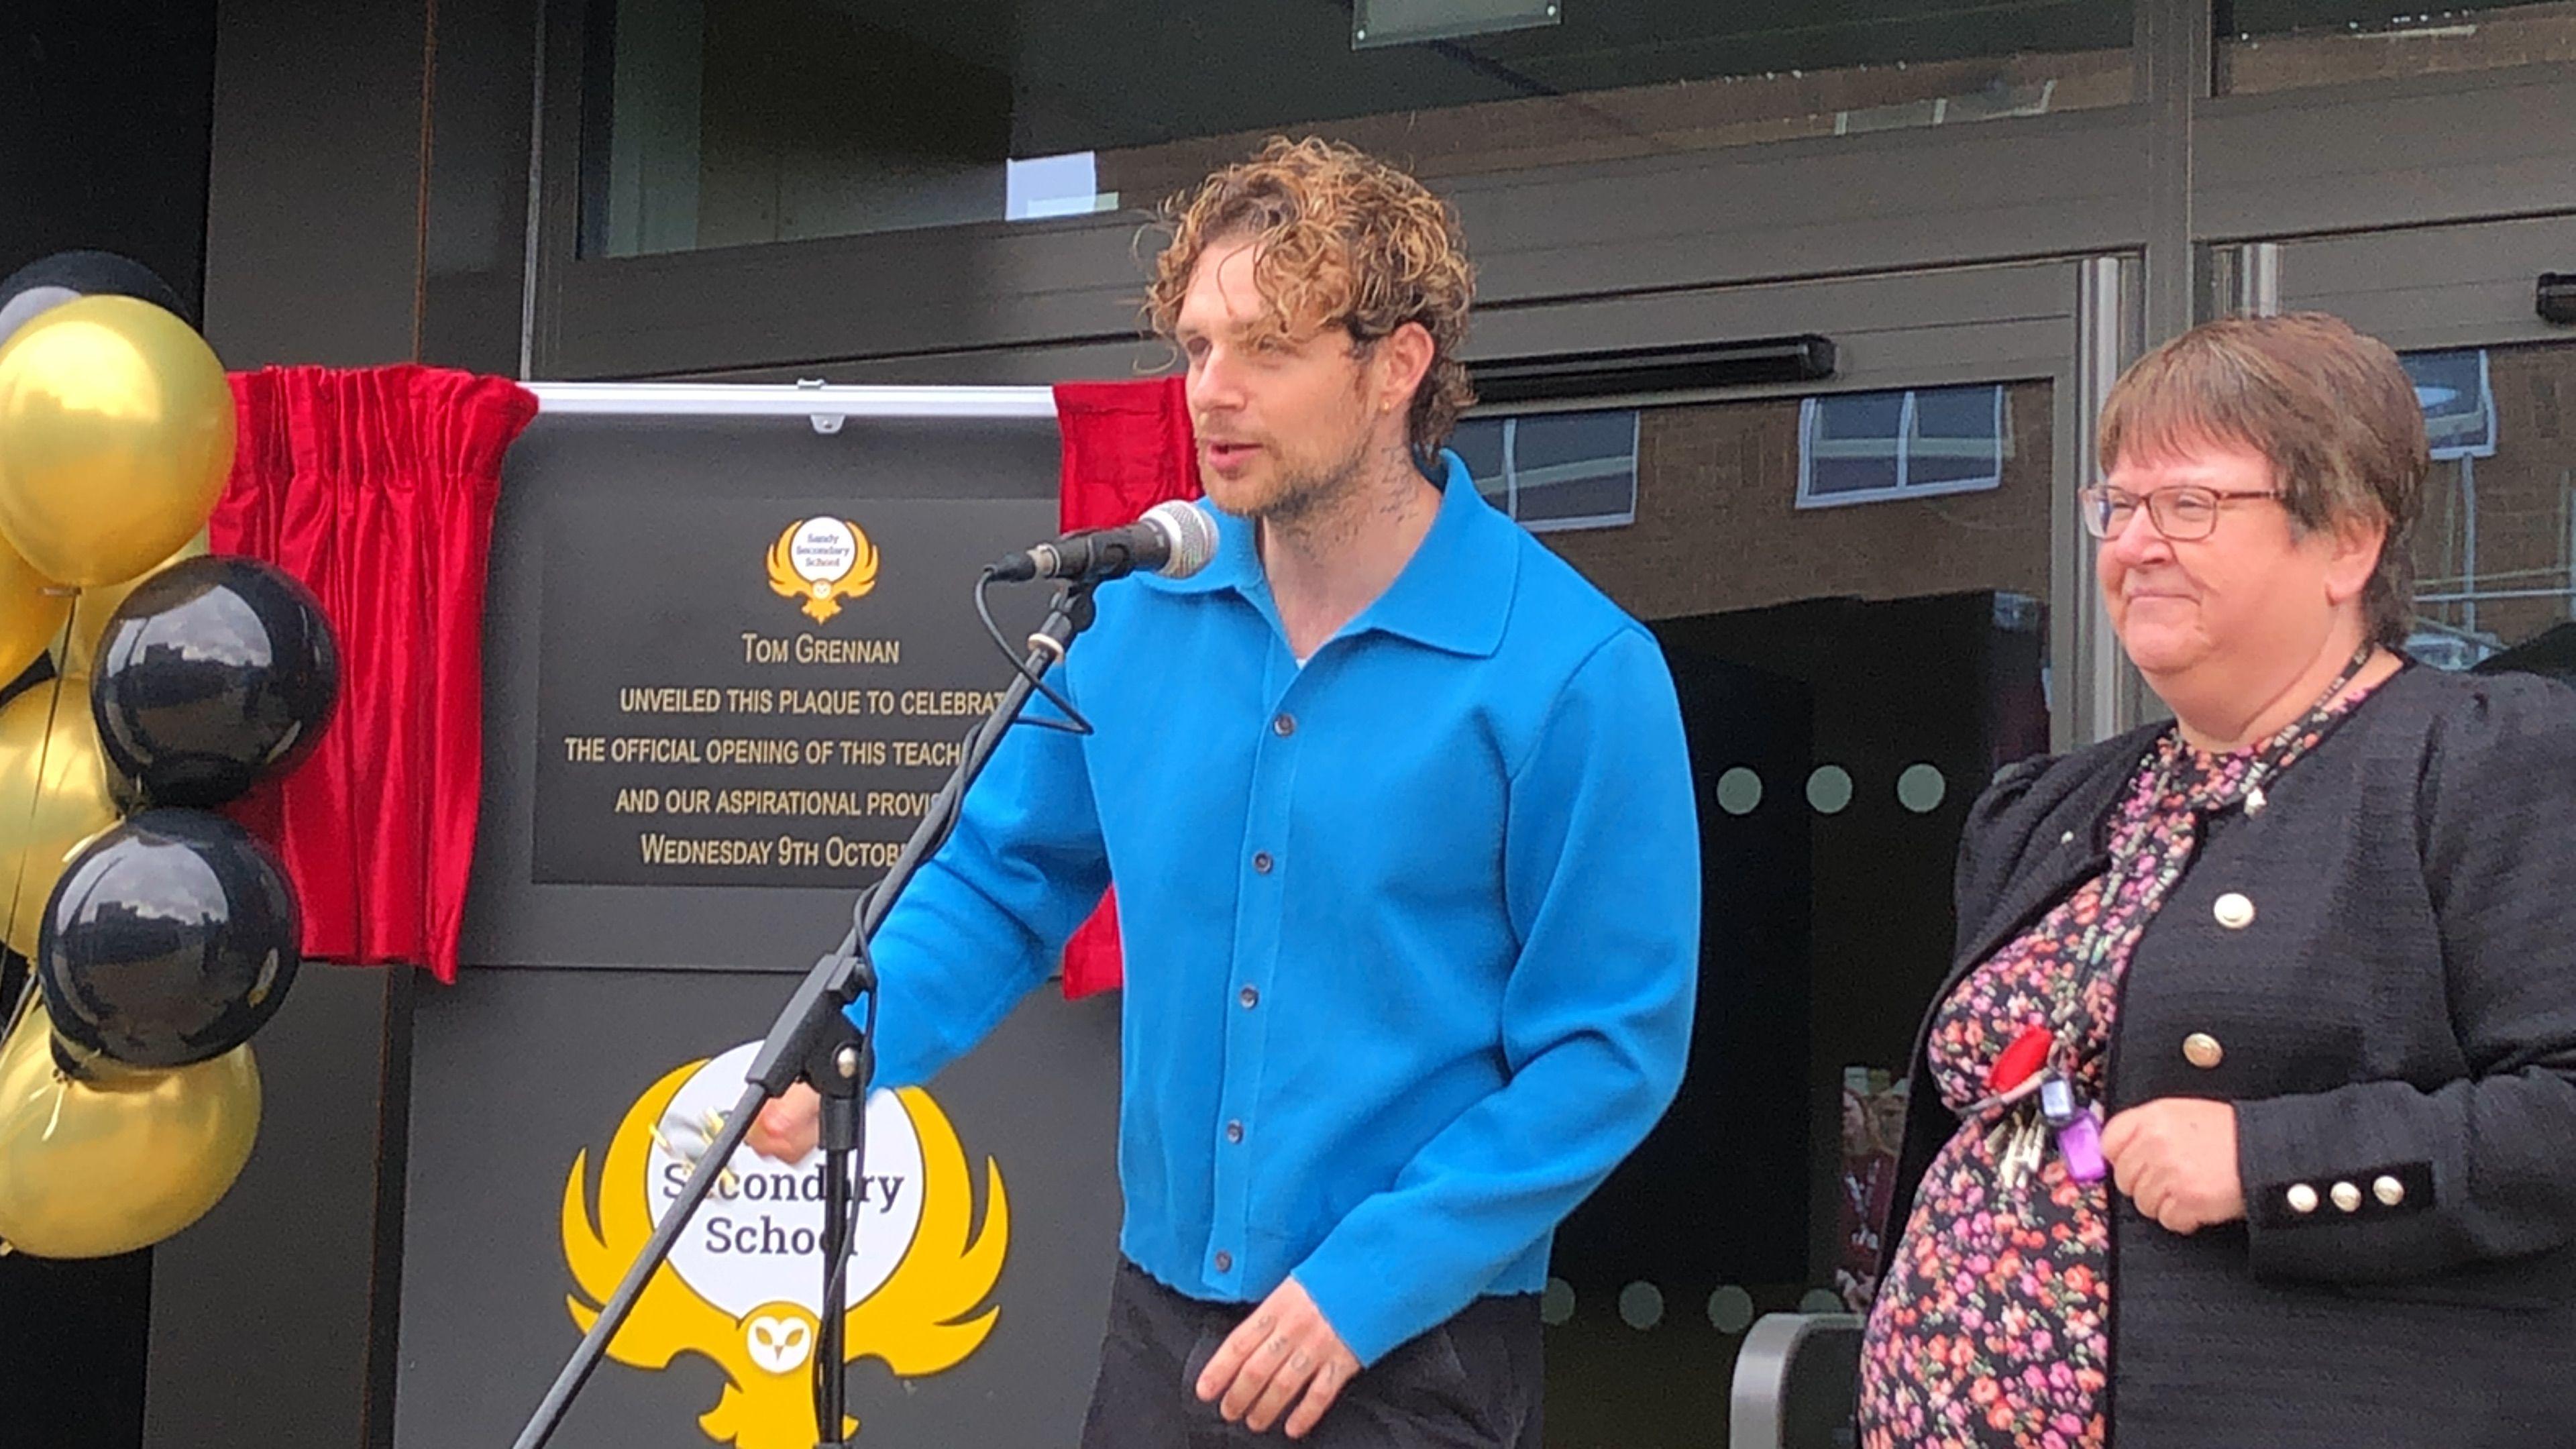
[{"x": 2397, "y": 1020}]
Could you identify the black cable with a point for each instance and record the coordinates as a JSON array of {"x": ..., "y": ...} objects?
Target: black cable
[{"x": 1073, "y": 722}]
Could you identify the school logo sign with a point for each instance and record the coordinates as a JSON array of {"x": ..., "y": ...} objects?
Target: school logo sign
[
  {"x": 822, "y": 561},
  {"x": 742, "y": 1285}
]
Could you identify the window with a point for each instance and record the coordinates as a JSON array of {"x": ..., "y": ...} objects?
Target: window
[
  {"x": 2459, "y": 406},
  {"x": 2495, "y": 546},
  {"x": 1871, "y": 447},
  {"x": 1555, "y": 470},
  {"x": 756, "y": 121}
]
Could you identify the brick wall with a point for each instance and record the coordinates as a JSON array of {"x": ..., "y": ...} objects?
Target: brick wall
[
  {"x": 1718, "y": 527},
  {"x": 2523, "y": 500}
]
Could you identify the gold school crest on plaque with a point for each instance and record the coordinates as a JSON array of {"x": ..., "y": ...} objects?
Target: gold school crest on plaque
[
  {"x": 739, "y": 1286},
  {"x": 822, "y": 561}
]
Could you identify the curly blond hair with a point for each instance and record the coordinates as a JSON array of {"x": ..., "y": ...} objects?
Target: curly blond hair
[{"x": 1340, "y": 239}]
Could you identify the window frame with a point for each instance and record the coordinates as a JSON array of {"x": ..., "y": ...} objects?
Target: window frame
[
  {"x": 1810, "y": 408},
  {"x": 1511, "y": 474}
]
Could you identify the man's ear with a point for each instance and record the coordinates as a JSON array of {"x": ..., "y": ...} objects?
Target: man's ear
[{"x": 1402, "y": 359}]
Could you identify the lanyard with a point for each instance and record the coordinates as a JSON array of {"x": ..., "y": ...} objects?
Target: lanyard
[{"x": 2092, "y": 948}]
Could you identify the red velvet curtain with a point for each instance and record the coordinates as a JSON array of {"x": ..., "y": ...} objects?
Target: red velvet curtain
[
  {"x": 1127, "y": 447},
  {"x": 375, "y": 488}
]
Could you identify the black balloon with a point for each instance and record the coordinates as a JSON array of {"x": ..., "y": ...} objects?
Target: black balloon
[
  {"x": 170, "y": 940},
  {"x": 211, "y": 674},
  {"x": 47, "y": 283}
]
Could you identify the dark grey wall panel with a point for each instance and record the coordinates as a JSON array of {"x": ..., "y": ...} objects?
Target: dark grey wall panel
[
  {"x": 2435, "y": 286},
  {"x": 2052, "y": 186},
  {"x": 1962, "y": 325},
  {"x": 520, "y": 1069},
  {"x": 261, "y": 1313},
  {"x": 314, "y": 198},
  {"x": 901, "y": 292},
  {"x": 2442, "y": 149},
  {"x": 474, "y": 250}
]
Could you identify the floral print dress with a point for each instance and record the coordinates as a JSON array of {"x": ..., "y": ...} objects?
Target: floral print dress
[{"x": 1991, "y": 1330}]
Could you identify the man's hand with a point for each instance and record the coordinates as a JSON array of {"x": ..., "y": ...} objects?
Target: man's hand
[
  {"x": 2176, "y": 1158},
  {"x": 788, "y": 1126},
  {"x": 1283, "y": 1350}
]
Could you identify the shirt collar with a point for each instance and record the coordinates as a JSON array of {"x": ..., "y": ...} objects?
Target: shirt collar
[{"x": 1454, "y": 594}]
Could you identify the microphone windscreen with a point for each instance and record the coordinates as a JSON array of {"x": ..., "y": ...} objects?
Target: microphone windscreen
[{"x": 1192, "y": 535}]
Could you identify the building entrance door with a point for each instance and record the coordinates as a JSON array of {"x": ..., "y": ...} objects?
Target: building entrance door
[{"x": 1873, "y": 592}]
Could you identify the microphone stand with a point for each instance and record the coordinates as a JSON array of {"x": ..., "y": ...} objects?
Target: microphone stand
[{"x": 814, "y": 1041}]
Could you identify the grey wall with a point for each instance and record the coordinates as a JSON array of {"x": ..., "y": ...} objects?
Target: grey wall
[
  {"x": 314, "y": 197},
  {"x": 367, "y": 196},
  {"x": 474, "y": 240}
]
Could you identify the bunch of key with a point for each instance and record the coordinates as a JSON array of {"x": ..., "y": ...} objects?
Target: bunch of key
[{"x": 2039, "y": 1103}]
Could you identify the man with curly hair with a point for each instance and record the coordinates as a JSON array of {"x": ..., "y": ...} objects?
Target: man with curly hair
[{"x": 1402, "y": 823}]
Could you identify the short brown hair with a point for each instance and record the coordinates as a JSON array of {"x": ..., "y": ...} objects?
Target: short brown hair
[
  {"x": 1342, "y": 240},
  {"x": 2331, "y": 409}
]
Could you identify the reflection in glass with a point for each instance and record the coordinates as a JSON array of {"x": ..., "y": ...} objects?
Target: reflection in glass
[
  {"x": 1555, "y": 470},
  {"x": 1893, "y": 654},
  {"x": 2458, "y": 403},
  {"x": 2279, "y": 45},
  {"x": 2495, "y": 548},
  {"x": 1478, "y": 442},
  {"x": 1956, "y": 439},
  {"x": 769, "y": 120},
  {"x": 1869, "y": 447},
  {"x": 1851, "y": 446},
  {"x": 1575, "y": 470}
]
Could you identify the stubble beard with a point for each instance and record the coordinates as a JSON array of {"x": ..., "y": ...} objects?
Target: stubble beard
[{"x": 1322, "y": 506}]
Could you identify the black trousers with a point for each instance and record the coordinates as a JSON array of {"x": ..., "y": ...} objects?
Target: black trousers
[{"x": 1471, "y": 1383}]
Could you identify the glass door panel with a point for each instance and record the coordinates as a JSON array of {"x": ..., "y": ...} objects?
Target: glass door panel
[
  {"x": 1852, "y": 589},
  {"x": 2494, "y": 549}
]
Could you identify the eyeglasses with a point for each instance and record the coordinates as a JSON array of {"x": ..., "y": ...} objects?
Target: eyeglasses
[{"x": 2181, "y": 514}]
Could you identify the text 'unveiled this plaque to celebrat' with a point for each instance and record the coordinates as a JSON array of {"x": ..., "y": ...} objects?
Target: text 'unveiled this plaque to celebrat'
[{"x": 738, "y": 692}]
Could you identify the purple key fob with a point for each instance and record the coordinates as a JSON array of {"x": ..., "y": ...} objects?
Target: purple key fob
[{"x": 2079, "y": 1136}]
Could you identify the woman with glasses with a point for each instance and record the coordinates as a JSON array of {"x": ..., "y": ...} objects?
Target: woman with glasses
[{"x": 2247, "y": 1115}]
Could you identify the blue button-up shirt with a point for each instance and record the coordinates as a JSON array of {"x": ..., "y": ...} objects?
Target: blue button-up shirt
[{"x": 1411, "y": 931}]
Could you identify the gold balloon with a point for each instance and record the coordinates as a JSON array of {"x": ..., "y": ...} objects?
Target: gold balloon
[
  {"x": 95, "y": 1166},
  {"x": 32, "y": 611},
  {"x": 116, "y": 436},
  {"x": 56, "y": 791},
  {"x": 75, "y": 651}
]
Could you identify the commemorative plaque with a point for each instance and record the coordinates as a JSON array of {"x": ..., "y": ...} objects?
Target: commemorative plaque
[{"x": 762, "y": 692}]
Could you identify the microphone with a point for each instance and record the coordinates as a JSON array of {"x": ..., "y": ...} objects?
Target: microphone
[{"x": 1173, "y": 539}]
